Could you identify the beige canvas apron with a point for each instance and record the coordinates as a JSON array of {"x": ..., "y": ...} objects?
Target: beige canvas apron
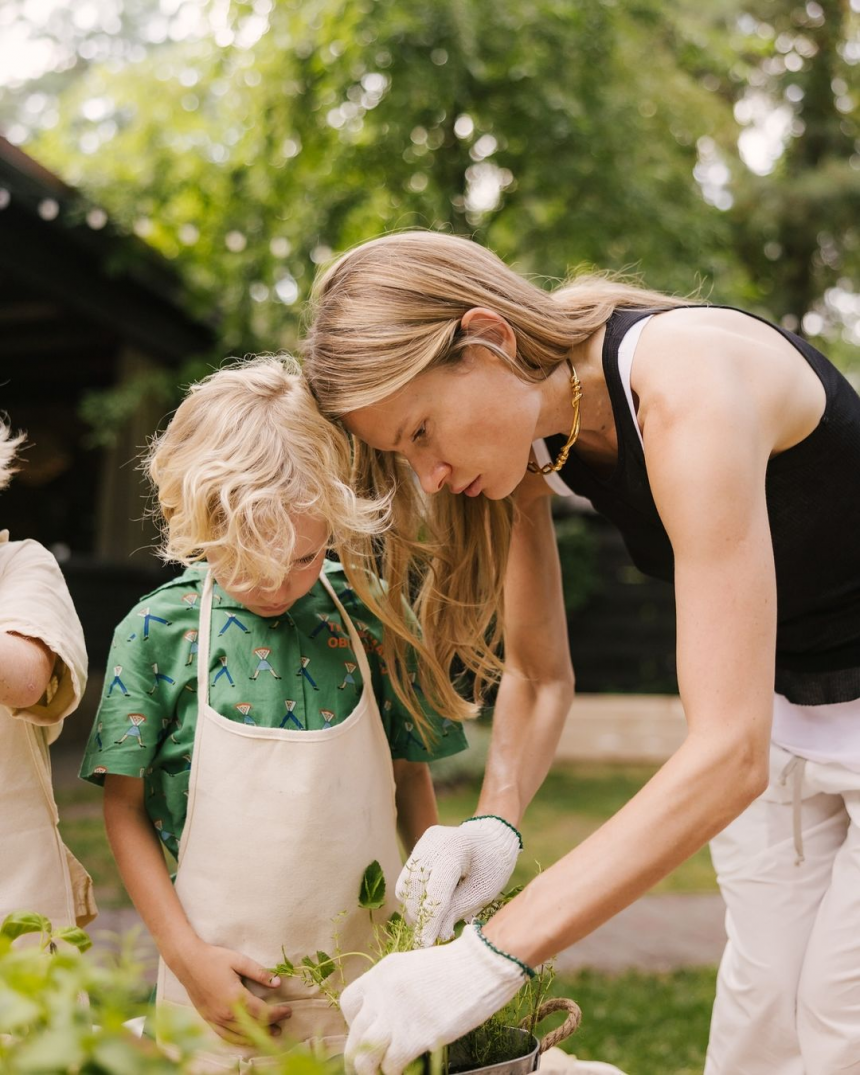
[
  {"x": 35, "y": 867},
  {"x": 37, "y": 871},
  {"x": 281, "y": 825}
]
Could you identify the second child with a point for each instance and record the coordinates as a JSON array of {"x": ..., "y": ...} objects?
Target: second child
[{"x": 248, "y": 725}]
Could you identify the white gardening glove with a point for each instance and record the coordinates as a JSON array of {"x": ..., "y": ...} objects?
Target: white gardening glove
[
  {"x": 413, "y": 1002},
  {"x": 453, "y": 873}
]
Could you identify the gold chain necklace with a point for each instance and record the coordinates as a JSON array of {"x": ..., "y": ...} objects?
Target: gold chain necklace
[{"x": 561, "y": 459}]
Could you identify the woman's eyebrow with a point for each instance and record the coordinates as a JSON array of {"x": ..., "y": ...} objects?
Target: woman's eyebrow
[{"x": 403, "y": 425}]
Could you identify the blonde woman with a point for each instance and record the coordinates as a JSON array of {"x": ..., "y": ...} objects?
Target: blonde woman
[
  {"x": 232, "y": 735},
  {"x": 728, "y": 453},
  {"x": 43, "y": 674}
]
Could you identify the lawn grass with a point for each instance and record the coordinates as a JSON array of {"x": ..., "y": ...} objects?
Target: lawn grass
[
  {"x": 646, "y": 1024},
  {"x": 83, "y": 831}
]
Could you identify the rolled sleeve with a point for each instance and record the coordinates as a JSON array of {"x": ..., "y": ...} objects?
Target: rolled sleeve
[{"x": 35, "y": 602}]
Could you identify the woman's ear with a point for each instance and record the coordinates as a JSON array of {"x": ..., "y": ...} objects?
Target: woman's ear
[{"x": 486, "y": 326}]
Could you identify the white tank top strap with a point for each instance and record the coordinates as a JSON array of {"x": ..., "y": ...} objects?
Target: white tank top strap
[{"x": 626, "y": 351}]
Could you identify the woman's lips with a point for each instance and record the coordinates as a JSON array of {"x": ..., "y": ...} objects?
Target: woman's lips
[{"x": 474, "y": 488}]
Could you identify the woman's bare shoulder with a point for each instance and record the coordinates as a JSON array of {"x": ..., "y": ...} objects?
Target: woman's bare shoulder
[{"x": 710, "y": 360}]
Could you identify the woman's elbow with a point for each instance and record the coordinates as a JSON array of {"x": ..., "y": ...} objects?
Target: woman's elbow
[{"x": 750, "y": 772}]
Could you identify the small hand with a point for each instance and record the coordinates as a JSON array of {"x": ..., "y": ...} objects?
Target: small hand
[
  {"x": 453, "y": 872},
  {"x": 414, "y": 1002},
  {"x": 212, "y": 977}
]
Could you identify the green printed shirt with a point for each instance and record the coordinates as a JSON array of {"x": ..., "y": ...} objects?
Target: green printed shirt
[{"x": 295, "y": 671}]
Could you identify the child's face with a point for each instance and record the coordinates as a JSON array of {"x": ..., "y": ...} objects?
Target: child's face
[{"x": 312, "y": 537}]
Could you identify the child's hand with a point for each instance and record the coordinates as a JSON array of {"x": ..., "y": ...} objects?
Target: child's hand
[{"x": 213, "y": 977}]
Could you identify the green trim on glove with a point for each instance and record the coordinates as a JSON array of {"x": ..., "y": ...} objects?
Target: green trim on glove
[
  {"x": 524, "y": 967},
  {"x": 495, "y": 817}
]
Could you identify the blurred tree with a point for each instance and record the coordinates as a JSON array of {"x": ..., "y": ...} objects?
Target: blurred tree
[
  {"x": 791, "y": 179},
  {"x": 296, "y": 129},
  {"x": 798, "y": 225}
]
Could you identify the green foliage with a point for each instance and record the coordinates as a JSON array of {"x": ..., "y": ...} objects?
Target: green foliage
[
  {"x": 650, "y": 1024},
  {"x": 62, "y": 1010},
  {"x": 20, "y": 923},
  {"x": 322, "y": 966},
  {"x": 577, "y": 550},
  {"x": 249, "y": 162},
  {"x": 248, "y": 151},
  {"x": 372, "y": 891}
]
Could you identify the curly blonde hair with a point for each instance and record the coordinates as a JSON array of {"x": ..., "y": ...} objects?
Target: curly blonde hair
[
  {"x": 9, "y": 446},
  {"x": 245, "y": 452},
  {"x": 383, "y": 313}
]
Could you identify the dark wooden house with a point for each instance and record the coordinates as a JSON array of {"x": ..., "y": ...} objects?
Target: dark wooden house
[{"x": 83, "y": 307}]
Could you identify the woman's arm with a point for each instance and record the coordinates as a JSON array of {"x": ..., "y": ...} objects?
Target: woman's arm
[
  {"x": 461, "y": 869},
  {"x": 26, "y": 665},
  {"x": 707, "y": 444},
  {"x": 416, "y": 801},
  {"x": 211, "y": 975},
  {"x": 536, "y": 689}
]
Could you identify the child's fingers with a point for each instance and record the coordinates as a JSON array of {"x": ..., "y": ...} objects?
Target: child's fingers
[
  {"x": 231, "y": 1033},
  {"x": 267, "y": 1014},
  {"x": 254, "y": 971}
]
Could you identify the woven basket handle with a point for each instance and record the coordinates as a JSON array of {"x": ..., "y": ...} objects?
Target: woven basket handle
[{"x": 558, "y": 1004}]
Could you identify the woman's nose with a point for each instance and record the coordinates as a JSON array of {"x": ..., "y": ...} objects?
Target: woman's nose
[{"x": 433, "y": 477}]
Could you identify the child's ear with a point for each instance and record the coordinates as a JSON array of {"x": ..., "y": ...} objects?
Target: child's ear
[{"x": 488, "y": 326}]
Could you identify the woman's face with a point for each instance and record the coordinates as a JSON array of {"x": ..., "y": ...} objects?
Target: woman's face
[
  {"x": 468, "y": 426},
  {"x": 303, "y": 570}
]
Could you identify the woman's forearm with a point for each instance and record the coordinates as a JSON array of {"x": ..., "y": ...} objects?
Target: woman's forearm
[
  {"x": 527, "y": 724},
  {"x": 696, "y": 794},
  {"x": 536, "y": 689}
]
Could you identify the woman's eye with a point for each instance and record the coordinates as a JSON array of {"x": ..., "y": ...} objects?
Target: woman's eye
[{"x": 419, "y": 433}]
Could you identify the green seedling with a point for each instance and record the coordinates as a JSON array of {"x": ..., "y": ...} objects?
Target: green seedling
[{"x": 20, "y": 923}]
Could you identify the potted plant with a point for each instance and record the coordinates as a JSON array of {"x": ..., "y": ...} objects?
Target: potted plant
[{"x": 505, "y": 1044}]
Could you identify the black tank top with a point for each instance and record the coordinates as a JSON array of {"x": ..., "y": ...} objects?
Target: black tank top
[{"x": 813, "y": 503}]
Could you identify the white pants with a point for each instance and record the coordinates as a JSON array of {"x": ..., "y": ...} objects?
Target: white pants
[{"x": 788, "y": 990}]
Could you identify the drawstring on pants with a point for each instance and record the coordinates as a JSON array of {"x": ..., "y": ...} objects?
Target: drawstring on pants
[{"x": 794, "y": 769}]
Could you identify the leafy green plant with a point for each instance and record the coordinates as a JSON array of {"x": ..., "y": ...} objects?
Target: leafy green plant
[
  {"x": 65, "y": 1009},
  {"x": 20, "y": 923}
]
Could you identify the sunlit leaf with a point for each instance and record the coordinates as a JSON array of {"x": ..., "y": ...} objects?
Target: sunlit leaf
[
  {"x": 20, "y": 922},
  {"x": 75, "y": 936}
]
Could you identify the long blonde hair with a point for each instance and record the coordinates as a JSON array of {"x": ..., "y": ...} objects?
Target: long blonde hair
[
  {"x": 383, "y": 313},
  {"x": 245, "y": 451}
]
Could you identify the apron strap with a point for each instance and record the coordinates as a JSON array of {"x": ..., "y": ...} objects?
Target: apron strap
[
  {"x": 358, "y": 648},
  {"x": 205, "y": 630},
  {"x": 203, "y": 633}
]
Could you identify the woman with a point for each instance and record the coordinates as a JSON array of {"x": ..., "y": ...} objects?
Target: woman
[{"x": 729, "y": 456}]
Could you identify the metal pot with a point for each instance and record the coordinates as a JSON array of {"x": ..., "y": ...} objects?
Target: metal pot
[{"x": 525, "y": 1048}]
